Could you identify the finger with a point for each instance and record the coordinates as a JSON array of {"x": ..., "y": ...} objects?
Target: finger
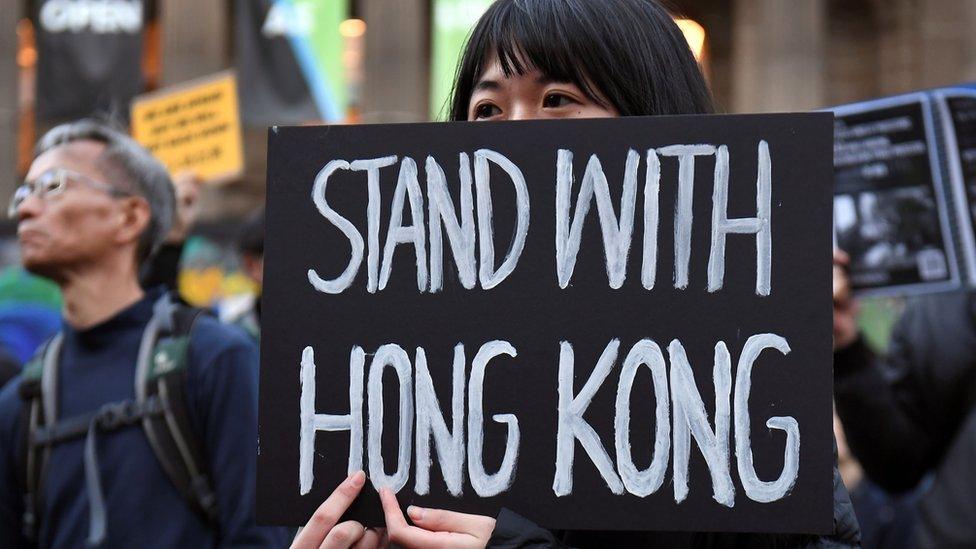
[
  {"x": 840, "y": 285},
  {"x": 391, "y": 509},
  {"x": 406, "y": 535},
  {"x": 441, "y": 520},
  {"x": 372, "y": 538},
  {"x": 841, "y": 258},
  {"x": 328, "y": 514},
  {"x": 396, "y": 525},
  {"x": 344, "y": 535}
]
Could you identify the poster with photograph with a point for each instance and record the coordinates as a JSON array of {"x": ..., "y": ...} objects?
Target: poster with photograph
[
  {"x": 957, "y": 113},
  {"x": 891, "y": 213}
]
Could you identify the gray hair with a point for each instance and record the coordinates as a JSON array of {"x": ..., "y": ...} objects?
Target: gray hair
[{"x": 131, "y": 168}]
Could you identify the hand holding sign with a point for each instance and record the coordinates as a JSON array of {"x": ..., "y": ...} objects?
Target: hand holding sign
[
  {"x": 324, "y": 530},
  {"x": 434, "y": 527},
  {"x": 845, "y": 307}
]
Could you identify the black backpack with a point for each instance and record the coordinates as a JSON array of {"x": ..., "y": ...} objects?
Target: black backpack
[{"x": 159, "y": 406}]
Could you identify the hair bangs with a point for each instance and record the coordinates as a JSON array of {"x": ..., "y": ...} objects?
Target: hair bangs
[{"x": 527, "y": 36}]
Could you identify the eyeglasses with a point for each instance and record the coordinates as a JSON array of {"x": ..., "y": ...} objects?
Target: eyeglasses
[{"x": 52, "y": 183}]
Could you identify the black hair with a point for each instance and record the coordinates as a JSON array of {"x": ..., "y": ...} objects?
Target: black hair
[
  {"x": 631, "y": 51},
  {"x": 251, "y": 237}
]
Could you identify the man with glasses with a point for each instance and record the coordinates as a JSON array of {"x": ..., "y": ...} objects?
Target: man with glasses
[{"x": 100, "y": 441}]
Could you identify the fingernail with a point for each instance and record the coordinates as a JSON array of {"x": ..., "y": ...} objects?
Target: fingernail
[
  {"x": 358, "y": 479},
  {"x": 416, "y": 513}
]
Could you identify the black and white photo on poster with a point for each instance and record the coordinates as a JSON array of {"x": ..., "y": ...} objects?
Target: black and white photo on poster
[
  {"x": 890, "y": 210},
  {"x": 957, "y": 113}
]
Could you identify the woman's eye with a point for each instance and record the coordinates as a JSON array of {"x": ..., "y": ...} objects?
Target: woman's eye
[
  {"x": 556, "y": 100},
  {"x": 486, "y": 110}
]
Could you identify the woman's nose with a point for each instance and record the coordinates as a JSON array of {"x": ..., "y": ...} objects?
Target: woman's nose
[{"x": 523, "y": 111}]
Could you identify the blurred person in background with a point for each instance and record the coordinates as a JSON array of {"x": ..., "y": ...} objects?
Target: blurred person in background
[
  {"x": 244, "y": 310},
  {"x": 549, "y": 59},
  {"x": 905, "y": 414},
  {"x": 163, "y": 268},
  {"x": 136, "y": 426}
]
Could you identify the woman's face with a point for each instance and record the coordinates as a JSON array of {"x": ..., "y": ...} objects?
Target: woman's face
[{"x": 530, "y": 96}]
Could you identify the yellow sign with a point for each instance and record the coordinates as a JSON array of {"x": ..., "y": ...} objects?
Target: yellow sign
[{"x": 193, "y": 127}]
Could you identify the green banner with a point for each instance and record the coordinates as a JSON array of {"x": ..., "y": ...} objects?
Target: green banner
[{"x": 327, "y": 46}]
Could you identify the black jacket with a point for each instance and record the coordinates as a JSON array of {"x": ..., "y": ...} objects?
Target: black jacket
[
  {"x": 947, "y": 511},
  {"x": 9, "y": 367},
  {"x": 514, "y": 531},
  {"x": 912, "y": 414},
  {"x": 902, "y": 414}
]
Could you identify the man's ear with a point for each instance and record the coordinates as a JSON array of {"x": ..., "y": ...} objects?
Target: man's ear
[{"x": 134, "y": 219}]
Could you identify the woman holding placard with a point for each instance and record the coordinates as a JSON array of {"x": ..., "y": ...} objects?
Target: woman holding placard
[{"x": 535, "y": 59}]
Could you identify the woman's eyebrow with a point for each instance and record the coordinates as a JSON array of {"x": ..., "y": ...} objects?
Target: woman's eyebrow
[
  {"x": 545, "y": 79},
  {"x": 491, "y": 85}
]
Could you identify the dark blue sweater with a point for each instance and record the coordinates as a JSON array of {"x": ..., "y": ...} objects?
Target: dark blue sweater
[{"x": 144, "y": 507}]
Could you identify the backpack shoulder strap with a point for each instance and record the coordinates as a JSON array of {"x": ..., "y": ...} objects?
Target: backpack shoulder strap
[
  {"x": 38, "y": 390},
  {"x": 161, "y": 374},
  {"x": 40, "y": 376}
]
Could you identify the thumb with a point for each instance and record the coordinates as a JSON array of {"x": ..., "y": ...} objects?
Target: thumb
[{"x": 441, "y": 520}]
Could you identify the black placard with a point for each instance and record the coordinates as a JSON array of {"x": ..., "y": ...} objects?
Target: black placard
[
  {"x": 890, "y": 211},
  {"x": 89, "y": 56},
  {"x": 531, "y": 311}
]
